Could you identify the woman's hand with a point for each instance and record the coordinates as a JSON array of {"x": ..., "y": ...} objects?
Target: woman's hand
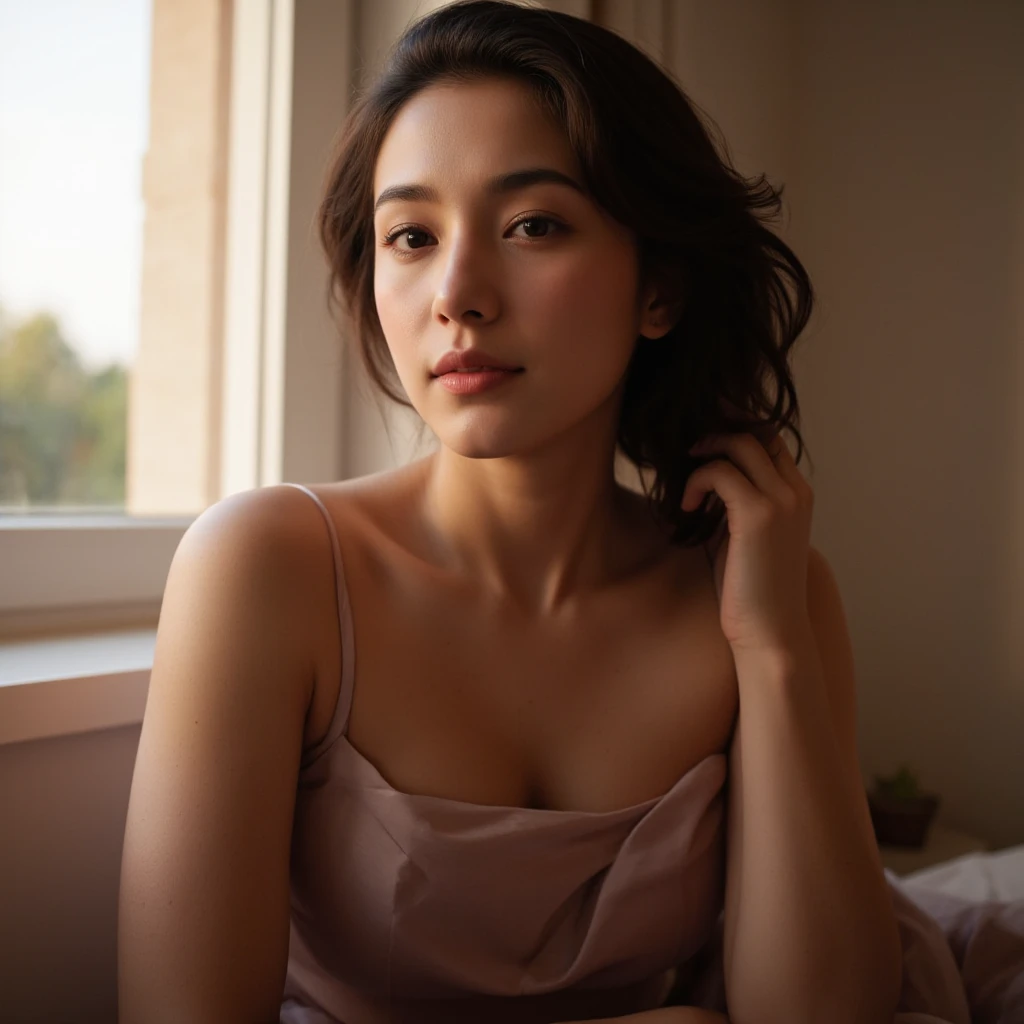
[{"x": 761, "y": 550}]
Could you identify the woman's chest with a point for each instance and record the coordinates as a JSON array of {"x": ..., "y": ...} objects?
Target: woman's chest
[{"x": 600, "y": 709}]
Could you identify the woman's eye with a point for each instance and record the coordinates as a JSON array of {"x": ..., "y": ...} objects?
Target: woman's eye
[
  {"x": 530, "y": 224},
  {"x": 407, "y": 234}
]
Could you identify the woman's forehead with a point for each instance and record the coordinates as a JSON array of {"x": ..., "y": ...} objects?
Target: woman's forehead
[{"x": 468, "y": 132}]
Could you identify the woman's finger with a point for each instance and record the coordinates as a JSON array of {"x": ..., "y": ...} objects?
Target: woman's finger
[
  {"x": 786, "y": 465},
  {"x": 747, "y": 453},
  {"x": 722, "y": 477}
]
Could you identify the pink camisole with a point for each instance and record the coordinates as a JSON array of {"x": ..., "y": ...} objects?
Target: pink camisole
[{"x": 417, "y": 909}]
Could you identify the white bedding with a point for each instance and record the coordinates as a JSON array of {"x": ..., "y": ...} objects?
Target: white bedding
[
  {"x": 962, "y": 925},
  {"x": 975, "y": 876}
]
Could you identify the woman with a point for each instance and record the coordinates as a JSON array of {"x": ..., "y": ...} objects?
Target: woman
[{"x": 517, "y": 808}]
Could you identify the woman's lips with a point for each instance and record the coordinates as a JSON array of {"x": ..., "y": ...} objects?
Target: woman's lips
[{"x": 471, "y": 382}]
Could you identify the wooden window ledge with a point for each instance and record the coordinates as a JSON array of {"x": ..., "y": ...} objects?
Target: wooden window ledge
[{"x": 58, "y": 686}]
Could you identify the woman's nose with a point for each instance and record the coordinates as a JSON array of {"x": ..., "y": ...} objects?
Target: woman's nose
[{"x": 466, "y": 291}]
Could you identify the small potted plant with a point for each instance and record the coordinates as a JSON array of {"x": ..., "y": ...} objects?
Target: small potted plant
[{"x": 900, "y": 810}]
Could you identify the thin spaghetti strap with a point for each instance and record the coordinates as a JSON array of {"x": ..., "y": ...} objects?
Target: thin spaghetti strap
[{"x": 343, "y": 707}]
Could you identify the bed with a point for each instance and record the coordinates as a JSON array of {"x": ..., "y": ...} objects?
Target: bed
[{"x": 962, "y": 924}]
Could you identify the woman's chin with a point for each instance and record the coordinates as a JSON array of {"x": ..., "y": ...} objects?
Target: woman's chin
[
  {"x": 479, "y": 444},
  {"x": 479, "y": 451}
]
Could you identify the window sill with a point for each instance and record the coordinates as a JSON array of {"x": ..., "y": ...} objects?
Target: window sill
[{"x": 59, "y": 686}]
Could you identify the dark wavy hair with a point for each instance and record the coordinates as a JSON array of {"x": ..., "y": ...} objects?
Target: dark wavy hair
[{"x": 649, "y": 158}]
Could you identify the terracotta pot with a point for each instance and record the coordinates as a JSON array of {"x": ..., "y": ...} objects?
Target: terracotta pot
[{"x": 902, "y": 822}]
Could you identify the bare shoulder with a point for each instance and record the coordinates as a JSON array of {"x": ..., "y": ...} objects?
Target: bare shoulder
[
  {"x": 273, "y": 543},
  {"x": 272, "y": 519}
]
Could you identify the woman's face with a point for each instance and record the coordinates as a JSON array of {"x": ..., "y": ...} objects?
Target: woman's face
[{"x": 535, "y": 274}]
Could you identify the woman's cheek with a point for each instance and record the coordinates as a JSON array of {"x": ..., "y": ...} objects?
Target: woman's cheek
[
  {"x": 385, "y": 295},
  {"x": 397, "y": 309},
  {"x": 591, "y": 303},
  {"x": 555, "y": 297}
]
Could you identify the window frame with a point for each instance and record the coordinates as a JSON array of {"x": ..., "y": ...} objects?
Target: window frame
[{"x": 283, "y": 368}]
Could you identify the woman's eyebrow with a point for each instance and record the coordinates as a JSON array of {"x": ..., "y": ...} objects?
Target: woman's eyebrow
[{"x": 503, "y": 183}]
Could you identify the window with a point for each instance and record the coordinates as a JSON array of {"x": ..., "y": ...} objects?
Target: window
[
  {"x": 73, "y": 130},
  {"x": 165, "y": 336}
]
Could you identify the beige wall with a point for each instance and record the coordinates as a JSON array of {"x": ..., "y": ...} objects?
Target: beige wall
[
  {"x": 900, "y": 142},
  {"x": 63, "y": 804},
  {"x": 898, "y": 133},
  {"x": 908, "y": 209}
]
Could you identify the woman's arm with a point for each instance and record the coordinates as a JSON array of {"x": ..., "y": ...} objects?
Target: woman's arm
[
  {"x": 203, "y": 908},
  {"x": 810, "y": 932}
]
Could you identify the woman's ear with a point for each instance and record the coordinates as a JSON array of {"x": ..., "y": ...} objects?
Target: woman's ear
[{"x": 660, "y": 310}]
